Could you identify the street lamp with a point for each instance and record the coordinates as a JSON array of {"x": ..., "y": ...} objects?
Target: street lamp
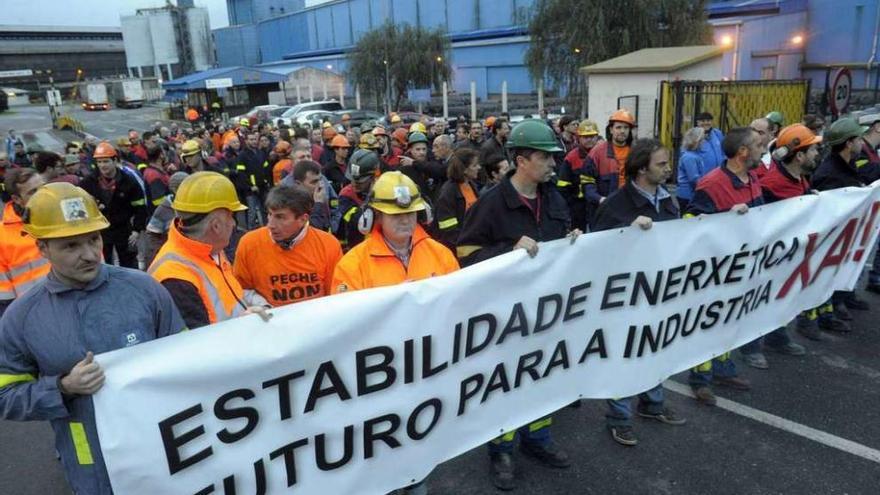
[
  {"x": 726, "y": 40},
  {"x": 439, "y": 58},
  {"x": 797, "y": 40}
]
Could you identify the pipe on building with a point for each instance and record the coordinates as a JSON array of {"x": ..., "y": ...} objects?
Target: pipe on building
[{"x": 873, "y": 49}]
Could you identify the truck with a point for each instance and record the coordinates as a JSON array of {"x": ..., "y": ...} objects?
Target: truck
[
  {"x": 128, "y": 93},
  {"x": 96, "y": 97}
]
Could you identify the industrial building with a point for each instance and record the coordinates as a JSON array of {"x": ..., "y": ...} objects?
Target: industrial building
[
  {"x": 169, "y": 41},
  {"x": 59, "y": 53},
  {"x": 766, "y": 39}
]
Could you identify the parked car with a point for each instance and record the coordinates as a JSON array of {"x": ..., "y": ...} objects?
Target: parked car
[
  {"x": 255, "y": 112},
  {"x": 327, "y": 106},
  {"x": 314, "y": 118},
  {"x": 358, "y": 117}
]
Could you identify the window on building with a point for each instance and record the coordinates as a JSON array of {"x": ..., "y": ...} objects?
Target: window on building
[{"x": 768, "y": 72}]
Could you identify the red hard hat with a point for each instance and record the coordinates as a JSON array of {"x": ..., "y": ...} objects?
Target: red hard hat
[{"x": 192, "y": 115}]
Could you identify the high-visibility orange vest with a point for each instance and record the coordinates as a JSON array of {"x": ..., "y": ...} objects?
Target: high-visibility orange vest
[
  {"x": 21, "y": 264},
  {"x": 372, "y": 263},
  {"x": 185, "y": 259}
]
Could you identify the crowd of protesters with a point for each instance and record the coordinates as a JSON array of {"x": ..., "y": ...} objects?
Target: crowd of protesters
[{"x": 234, "y": 218}]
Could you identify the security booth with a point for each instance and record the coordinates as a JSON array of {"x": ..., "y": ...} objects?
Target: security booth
[{"x": 237, "y": 88}]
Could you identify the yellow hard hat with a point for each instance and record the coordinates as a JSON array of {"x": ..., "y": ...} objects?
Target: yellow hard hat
[
  {"x": 204, "y": 192},
  {"x": 368, "y": 142},
  {"x": 61, "y": 209},
  {"x": 418, "y": 127},
  {"x": 189, "y": 148},
  {"x": 588, "y": 128},
  {"x": 395, "y": 193}
]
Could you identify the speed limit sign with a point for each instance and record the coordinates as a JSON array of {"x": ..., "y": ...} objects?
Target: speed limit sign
[{"x": 841, "y": 91}]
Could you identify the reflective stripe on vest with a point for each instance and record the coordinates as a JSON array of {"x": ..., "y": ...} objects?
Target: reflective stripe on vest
[
  {"x": 81, "y": 444},
  {"x": 213, "y": 296}
]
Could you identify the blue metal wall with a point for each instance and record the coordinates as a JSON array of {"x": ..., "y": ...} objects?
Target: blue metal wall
[
  {"x": 251, "y": 11},
  {"x": 237, "y": 45},
  {"x": 327, "y": 30},
  {"x": 835, "y": 32}
]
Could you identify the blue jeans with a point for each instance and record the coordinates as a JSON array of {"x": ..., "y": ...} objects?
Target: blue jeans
[
  {"x": 620, "y": 410},
  {"x": 535, "y": 433},
  {"x": 254, "y": 212},
  {"x": 722, "y": 367},
  {"x": 776, "y": 338}
]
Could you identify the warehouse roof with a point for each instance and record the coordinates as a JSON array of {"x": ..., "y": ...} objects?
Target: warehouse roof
[
  {"x": 656, "y": 59},
  {"x": 241, "y": 76}
]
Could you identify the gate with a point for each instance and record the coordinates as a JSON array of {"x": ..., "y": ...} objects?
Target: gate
[{"x": 732, "y": 103}]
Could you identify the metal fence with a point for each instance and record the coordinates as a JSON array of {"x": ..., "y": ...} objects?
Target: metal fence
[{"x": 732, "y": 104}]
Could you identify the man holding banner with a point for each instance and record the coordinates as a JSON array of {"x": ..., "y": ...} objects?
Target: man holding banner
[
  {"x": 83, "y": 307},
  {"x": 642, "y": 201},
  {"x": 731, "y": 187},
  {"x": 517, "y": 214},
  {"x": 396, "y": 249}
]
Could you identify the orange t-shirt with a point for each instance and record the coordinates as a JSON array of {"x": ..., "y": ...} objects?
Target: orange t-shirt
[
  {"x": 621, "y": 153},
  {"x": 287, "y": 276},
  {"x": 470, "y": 197}
]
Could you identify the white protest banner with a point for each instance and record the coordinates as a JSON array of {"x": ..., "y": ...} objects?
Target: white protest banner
[{"x": 366, "y": 391}]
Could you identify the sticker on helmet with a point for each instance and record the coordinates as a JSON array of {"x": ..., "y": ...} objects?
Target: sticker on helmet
[
  {"x": 402, "y": 196},
  {"x": 74, "y": 209},
  {"x": 355, "y": 170}
]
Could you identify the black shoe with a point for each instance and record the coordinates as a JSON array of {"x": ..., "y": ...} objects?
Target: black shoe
[
  {"x": 666, "y": 416},
  {"x": 857, "y": 303},
  {"x": 834, "y": 324},
  {"x": 549, "y": 455},
  {"x": 809, "y": 329},
  {"x": 502, "y": 471},
  {"x": 624, "y": 435},
  {"x": 842, "y": 312},
  {"x": 875, "y": 288}
]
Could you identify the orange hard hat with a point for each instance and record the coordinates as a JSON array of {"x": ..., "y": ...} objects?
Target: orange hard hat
[
  {"x": 104, "y": 150},
  {"x": 228, "y": 137},
  {"x": 282, "y": 148},
  {"x": 379, "y": 131},
  {"x": 192, "y": 115},
  {"x": 339, "y": 141},
  {"x": 490, "y": 121},
  {"x": 328, "y": 133},
  {"x": 797, "y": 136},
  {"x": 622, "y": 116},
  {"x": 399, "y": 135}
]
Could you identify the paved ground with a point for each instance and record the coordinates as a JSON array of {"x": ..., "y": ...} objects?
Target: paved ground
[
  {"x": 34, "y": 123},
  {"x": 803, "y": 405}
]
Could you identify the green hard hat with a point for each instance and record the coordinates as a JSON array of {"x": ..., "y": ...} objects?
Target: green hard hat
[
  {"x": 367, "y": 126},
  {"x": 533, "y": 134},
  {"x": 843, "y": 130},
  {"x": 362, "y": 164},
  {"x": 416, "y": 137},
  {"x": 776, "y": 118}
]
